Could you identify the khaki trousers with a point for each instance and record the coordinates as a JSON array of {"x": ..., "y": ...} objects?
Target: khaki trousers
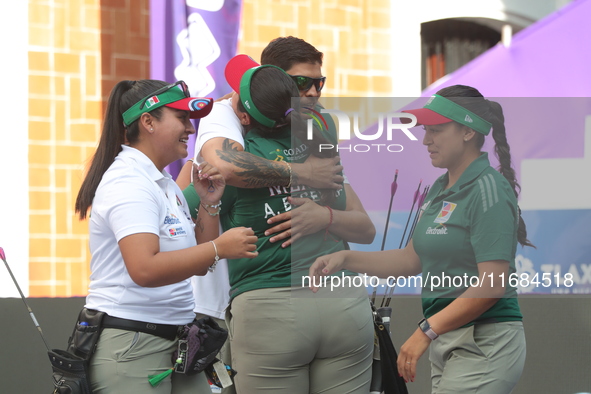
[
  {"x": 124, "y": 359},
  {"x": 483, "y": 359},
  {"x": 293, "y": 341}
]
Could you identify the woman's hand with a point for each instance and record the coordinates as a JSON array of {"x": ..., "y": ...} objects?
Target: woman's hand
[
  {"x": 208, "y": 183},
  {"x": 409, "y": 355},
  {"x": 326, "y": 265},
  {"x": 282, "y": 229},
  {"x": 237, "y": 243},
  {"x": 308, "y": 219}
]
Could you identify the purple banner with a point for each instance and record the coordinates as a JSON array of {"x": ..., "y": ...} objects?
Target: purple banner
[
  {"x": 193, "y": 40},
  {"x": 534, "y": 132},
  {"x": 550, "y": 141},
  {"x": 550, "y": 58}
]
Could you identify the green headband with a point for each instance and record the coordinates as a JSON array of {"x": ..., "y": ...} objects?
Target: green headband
[
  {"x": 151, "y": 102},
  {"x": 246, "y": 98},
  {"x": 456, "y": 112}
]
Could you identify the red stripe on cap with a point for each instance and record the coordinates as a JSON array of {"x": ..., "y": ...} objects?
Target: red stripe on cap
[
  {"x": 425, "y": 117},
  {"x": 184, "y": 105},
  {"x": 235, "y": 68}
]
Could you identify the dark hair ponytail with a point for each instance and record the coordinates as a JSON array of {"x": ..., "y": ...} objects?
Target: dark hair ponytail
[
  {"x": 272, "y": 91},
  {"x": 471, "y": 99},
  {"x": 114, "y": 134},
  {"x": 503, "y": 153}
]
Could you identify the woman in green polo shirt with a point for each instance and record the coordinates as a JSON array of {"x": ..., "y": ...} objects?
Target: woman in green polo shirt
[
  {"x": 464, "y": 245},
  {"x": 285, "y": 339}
]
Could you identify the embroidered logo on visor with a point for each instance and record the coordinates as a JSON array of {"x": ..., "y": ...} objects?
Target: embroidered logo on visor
[
  {"x": 198, "y": 104},
  {"x": 151, "y": 101}
]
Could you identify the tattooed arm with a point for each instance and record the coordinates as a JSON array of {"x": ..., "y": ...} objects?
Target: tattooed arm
[{"x": 243, "y": 169}]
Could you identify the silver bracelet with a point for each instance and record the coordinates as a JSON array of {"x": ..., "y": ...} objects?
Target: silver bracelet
[
  {"x": 216, "y": 258},
  {"x": 212, "y": 206},
  {"x": 216, "y": 206}
]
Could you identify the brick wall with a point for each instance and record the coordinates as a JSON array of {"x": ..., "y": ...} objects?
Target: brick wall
[
  {"x": 74, "y": 60},
  {"x": 352, "y": 34},
  {"x": 79, "y": 49},
  {"x": 125, "y": 42}
]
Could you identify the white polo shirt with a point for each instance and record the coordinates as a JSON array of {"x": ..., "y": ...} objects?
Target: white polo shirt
[
  {"x": 212, "y": 291},
  {"x": 134, "y": 197},
  {"x": 220, "y": 122}
]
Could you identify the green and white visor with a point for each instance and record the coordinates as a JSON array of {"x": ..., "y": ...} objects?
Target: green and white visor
[
  {"x": 239, "y": 72},
  {"x": 440, "y": 110},
  {"x": 176, "y": 96}
]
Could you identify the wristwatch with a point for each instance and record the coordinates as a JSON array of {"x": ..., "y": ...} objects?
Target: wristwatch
[{"x": 426, "y": 328}]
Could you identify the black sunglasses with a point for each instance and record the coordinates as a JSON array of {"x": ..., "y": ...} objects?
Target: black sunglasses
[
  {"x": 305, "y": 83},
  {"x": 166, "y": 88}
]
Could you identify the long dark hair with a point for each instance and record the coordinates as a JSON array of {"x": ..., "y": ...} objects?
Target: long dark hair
[
  {"x": 471, "y": 99},
  {"x": 272, "y": 91},
  {"x": 114, "y": 134}
]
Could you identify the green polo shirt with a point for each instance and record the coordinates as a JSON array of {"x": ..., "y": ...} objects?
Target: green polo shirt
[
  {"x": 474, "y": 221},
  {"x": 274, "y": 266}
]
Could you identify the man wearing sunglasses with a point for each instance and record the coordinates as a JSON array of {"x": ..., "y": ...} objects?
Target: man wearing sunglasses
[
  {"x": 301, "y": 61},
  {"x": 220, "y": 142}
]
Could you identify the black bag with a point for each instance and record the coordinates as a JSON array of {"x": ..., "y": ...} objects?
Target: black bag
[
  {"x": 392, "y": 382},
  {"x": 70, "y": 368},
  {"x": 219, "y": 374},
  {"x": 70, "y": 373},
  {"x": 86, "y": 333},
  {"x": 199, "y": 344}
]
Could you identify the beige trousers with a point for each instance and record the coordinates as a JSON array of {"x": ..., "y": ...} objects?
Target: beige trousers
[
  {"x": 124, "y": 360},
  {"x": 483, "y": 359},
  {"x": 293, "y": 341}
]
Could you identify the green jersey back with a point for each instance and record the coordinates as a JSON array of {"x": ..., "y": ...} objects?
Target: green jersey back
[{"x": 274, "y": 266}]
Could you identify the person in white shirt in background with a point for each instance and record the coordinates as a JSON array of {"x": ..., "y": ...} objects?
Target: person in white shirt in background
[{"x": 220, "y": 141}]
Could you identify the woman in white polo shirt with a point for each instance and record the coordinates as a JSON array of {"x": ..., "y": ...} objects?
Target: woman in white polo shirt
[{"x": 144, "y": 244}]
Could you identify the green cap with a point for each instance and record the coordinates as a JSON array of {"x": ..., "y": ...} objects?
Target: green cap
[
  {"x": 239, "y": 72},
  {"x": 440, "y": 110},
  {"x": 176, "y": 96}
]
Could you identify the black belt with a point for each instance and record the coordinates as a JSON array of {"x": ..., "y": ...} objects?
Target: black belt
[{"x": 166, "y": 331}]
